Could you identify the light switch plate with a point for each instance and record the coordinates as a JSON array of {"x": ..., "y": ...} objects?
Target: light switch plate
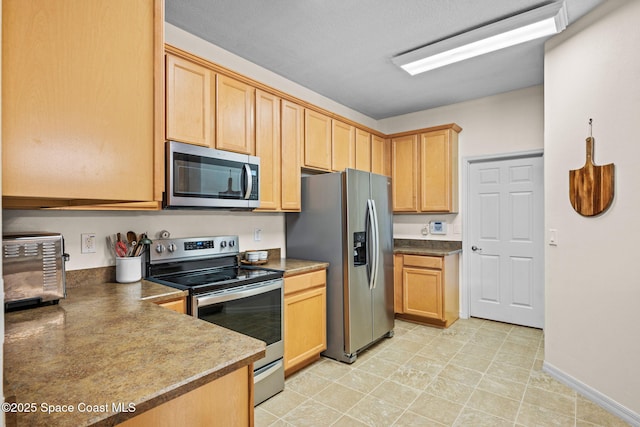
[{"x": 553, "y": 237}]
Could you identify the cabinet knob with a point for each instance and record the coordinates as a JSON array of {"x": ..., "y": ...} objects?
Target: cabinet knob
[{"x": 474, "y": 248}]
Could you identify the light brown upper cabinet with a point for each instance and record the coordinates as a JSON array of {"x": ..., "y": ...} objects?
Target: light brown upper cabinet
[
  {"x": 363, "y": 150},
  {"x": 425, "y": 171},
  {"x": 235, "y": 105},
  {"x": 317, "y": 140},
  {"x": 405, "y": 173},
  {"x": 82, "y": 104},
  {"x": 268, "y": 149},
  {"x": 279, "y": 126},
  {"x": 190, "y": 106},
  {"x": 292, "y": 130},
  {"x": 439, "y": 171},
  {"x": 380, "y": 155},
  {"x": 343, "y": 146}
]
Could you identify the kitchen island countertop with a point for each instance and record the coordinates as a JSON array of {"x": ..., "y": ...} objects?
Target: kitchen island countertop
[{"x": 108, "y": 347}]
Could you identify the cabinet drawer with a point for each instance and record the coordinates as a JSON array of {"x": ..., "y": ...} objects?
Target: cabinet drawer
[
  {"x": 178, "y": 305},
  {"x": 423, "y": 261},
  {"x": 304, "y": 281}
]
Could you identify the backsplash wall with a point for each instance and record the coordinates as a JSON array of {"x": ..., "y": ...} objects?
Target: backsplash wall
[
  {"x": 182, "y": 223},
  {"x": 411, "y": 226}
]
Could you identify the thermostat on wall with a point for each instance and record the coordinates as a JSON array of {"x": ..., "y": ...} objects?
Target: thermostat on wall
[{"x": 438, "y": 227}]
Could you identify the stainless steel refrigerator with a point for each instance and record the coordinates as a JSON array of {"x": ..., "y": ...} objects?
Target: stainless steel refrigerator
[{"x": 346, "y": 220}]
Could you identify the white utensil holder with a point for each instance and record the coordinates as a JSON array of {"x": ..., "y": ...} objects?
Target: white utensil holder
[{"x": 128, "y": 269}]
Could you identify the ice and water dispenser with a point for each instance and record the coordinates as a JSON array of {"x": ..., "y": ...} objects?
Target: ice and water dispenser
[{"x": 359, "y": 248}]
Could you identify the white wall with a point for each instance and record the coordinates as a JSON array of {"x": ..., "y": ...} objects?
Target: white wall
[
  {"x": 505, "y": 123},
  {"x": 592, "y": 333},
  {"x": 180, "y": 223}
]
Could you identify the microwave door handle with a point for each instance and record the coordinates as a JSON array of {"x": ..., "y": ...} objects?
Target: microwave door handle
[{"x": 247, "y": 174}]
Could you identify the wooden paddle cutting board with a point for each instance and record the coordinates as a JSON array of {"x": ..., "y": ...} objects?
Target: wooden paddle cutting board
[{"x": 591, "y": 187}]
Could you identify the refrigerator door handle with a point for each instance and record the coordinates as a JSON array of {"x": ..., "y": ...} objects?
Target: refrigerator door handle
[
  {"x": 371, "y": 244},
  {"x": 376, "y": 247}
]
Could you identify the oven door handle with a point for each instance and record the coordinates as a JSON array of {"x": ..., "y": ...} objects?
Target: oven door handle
[{"x": 205, "y": 300}]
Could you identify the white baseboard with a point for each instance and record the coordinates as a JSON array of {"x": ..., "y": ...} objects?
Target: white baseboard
[{"x": 594, "y": 395}]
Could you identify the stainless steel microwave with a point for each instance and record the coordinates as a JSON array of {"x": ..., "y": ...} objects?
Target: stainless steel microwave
[{"x": 200, "y": 177}]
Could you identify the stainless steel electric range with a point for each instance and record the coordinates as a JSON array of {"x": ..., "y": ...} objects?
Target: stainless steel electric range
[{"x": 248, "y": 299}]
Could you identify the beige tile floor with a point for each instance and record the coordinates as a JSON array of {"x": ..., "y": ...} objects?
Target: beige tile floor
[{"x": 476, "y": 373}]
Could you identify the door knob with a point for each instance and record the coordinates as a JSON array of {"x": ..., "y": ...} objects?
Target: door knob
[{"x": 475, "y": 248}]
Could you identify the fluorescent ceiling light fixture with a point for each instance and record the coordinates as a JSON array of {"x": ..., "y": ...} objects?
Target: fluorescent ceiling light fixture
[{"x": 541, "y": 22}]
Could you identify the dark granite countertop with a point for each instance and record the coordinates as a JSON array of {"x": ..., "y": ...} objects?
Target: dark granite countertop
[
  {"x": 426, "y": 247},
  {"x": 107, "y": 344}
]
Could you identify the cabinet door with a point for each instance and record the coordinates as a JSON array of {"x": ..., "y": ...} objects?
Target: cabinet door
[
  {"x": 292, "y": 136},
  {"x": 225, "y": 401},
  {"x": 178, "y": 305},
  {"x": 343, "y": 146},
  {"x": 317, "y": 140},
  {"x": 422, "y": 292},
  {"x": 268, "y": 149},
  {"x": 405, "y": 173},
  {"x": 304, "y": 328},
  {"x": 363, "y": 150},
  {"x": 235, "y": 116},
  {"x": 397, "y": 283},
  {"x": 377, "y": 155},
  {"x": 439, "y": 171},
  {"x": 387, "y": 157},
  {"x": 79, "y": 99},
  {"x": 189, "y": 102}
]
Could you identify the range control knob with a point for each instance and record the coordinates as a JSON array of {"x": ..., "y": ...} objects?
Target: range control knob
[
  {"x": 160, "y": 248},
  {"x": 232, "y": 243},
  {"x": 223, "y": 244},
  {"x": 172, "y": 247}
]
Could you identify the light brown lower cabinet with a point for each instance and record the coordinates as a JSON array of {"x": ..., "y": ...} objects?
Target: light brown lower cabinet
[
  {"x": 178, "y": 305},
  {"x": 427, "y": 288},
  {"x": 226, "y": 401},
  {"x": 305, "y": 324}
]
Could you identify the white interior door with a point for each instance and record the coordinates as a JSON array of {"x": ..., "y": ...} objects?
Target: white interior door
[{"x": 506, "y": 244}]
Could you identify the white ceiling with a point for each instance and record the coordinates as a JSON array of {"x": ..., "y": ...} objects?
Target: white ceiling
[{"x": 342, "y": 49}]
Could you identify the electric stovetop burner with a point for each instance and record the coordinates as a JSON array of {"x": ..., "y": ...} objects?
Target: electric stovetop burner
[
  {"x": 202, "y": 264},
  {"x": 215, "y": 279}
]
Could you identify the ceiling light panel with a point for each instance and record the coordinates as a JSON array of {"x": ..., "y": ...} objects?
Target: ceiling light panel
[{"x": 534, "y": 24}]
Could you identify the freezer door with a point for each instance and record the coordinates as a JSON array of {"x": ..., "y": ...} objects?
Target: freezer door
[
  {"x": 382, "y": 293},
  {"x": 357, "y": 292}
]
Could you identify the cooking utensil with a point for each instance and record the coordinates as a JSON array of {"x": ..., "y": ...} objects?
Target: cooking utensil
[
  {"x": 121, "y": 249},
  {"x": 591, "y": 187},
  {"x": 143, "y": 240},
  {"x": 132, "y": 238}
]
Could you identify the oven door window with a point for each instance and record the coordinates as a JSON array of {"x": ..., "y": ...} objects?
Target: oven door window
[{"x": 258, "y": 316}]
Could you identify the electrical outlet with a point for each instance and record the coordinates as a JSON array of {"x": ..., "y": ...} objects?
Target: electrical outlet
[
  {"x": 88, "y": 243},
  {"x": 257, "y": 234}
]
